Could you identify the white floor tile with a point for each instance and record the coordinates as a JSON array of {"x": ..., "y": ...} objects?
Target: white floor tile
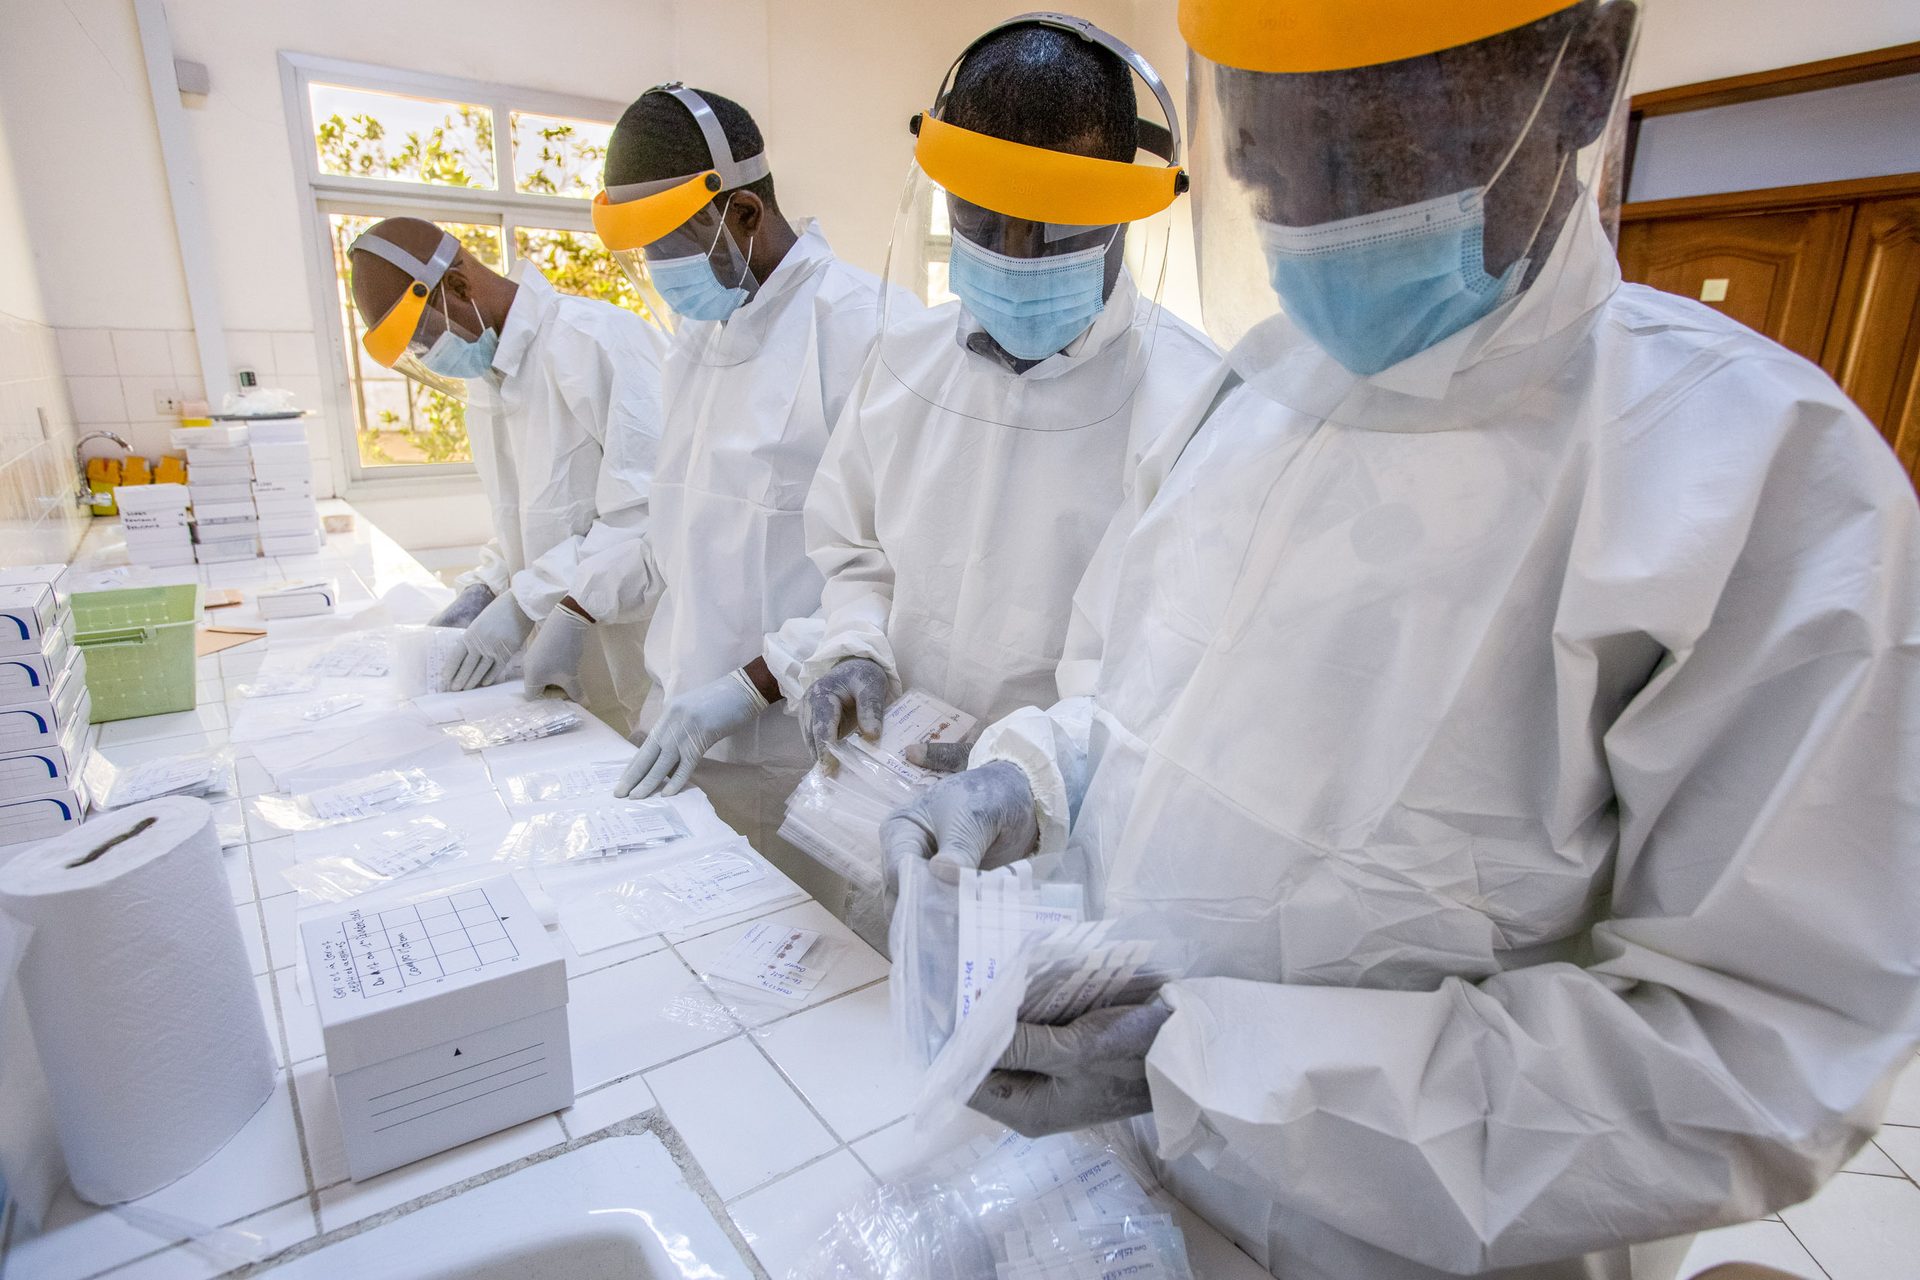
[
  {"x": 248, "y": 914},
  {"x": 1861, "y": 1228},
  {"x": 1904, "y": 1106},
  {"x": 301, "y": 1020},
  {"x": 1903, "y": 1145},
  {"x": 843, "y": 1057},
  {"x": 239, "y": 869},
  {"x": 253, "y": 776},
  {"x": 274, "y": 1230},
  {"x": 319, "y": 1122},
  {"x": 578, "y": 964},
  {"x": 741, "y": 1120},
  {"x": 901, "y": 1150},
  {"x": 242, "y": 662},
  {"x": 609, "y": 1104},
  {"x": 637, "y": 1015},
  {"x": 855, "y": 964},
  {"x": 145, "y": 749},
  {"x": 1871, "y": 1159},
  {"x": 352, "y": 1201},
  {"x": 1768, "y": 1243},
  {"x": 175, "y": 724},
  {"x": 270, "y": 859},
  {"x": 783, "y": 1222},
  {"x": 283, "y": 936},
  {"x": 263, "y": 988}
]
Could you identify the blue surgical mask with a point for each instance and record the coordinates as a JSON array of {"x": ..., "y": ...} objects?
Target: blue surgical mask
[
  {"x": 1377, "y": 289},
  {"x": 452, "y": 356},
  {"x": 1032, "y": 307},
  {"x": 692, "y": 290}
]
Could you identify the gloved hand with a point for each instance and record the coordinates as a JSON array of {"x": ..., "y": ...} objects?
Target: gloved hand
[
  {"x": 1090, "y": 1071},
  {"x": 465, "y": 607},
  {"x": 691, "y": 724},
  {"x": 853, "y": 689},
  {"x": 941, "y": 757},
  {"x": 491, "y": 640},
  {"x": 982, "y": 818},
  {"x": 553, "y": 659}
]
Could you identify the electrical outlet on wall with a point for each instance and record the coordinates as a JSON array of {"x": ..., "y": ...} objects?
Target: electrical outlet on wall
[{"x": 166, "y": 404}]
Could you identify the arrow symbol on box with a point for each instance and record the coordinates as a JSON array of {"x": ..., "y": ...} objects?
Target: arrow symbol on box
[{"x": 456, "y": 1053}]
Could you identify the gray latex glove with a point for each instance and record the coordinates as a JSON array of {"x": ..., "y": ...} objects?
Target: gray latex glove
[
  {"x": 851, "y": 695},
  {"x": 1088, "y": 1072},
  {"x": 688, "y": 728},
  {"x": 941, "y": 757},
  {"x": 465, "y": 607},
  {"x": 490, "y": 641},
  {"x": 982, "y": 818},
  {"x": 553, "y": 659}
]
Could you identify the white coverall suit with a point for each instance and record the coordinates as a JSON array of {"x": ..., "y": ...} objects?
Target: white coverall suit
[
  {"x": 1531, "y": 745},
  {"x": 565, "y": 442}
]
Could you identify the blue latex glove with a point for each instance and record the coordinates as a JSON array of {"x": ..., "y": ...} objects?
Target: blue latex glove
[
  {"x": 688, "y": 729},
  {"x": 553, "y": 659},
  {"x": 851, "y": 695},
  {"x": 465, "y": 607},
  {"x": 1089, "y": 1071},
  {"x": 490, "y": 641}
]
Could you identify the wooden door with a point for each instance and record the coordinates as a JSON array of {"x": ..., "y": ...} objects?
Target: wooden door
[
  {"x": 1873, "y": 345},
  {"x": 1777, "y": 272}
]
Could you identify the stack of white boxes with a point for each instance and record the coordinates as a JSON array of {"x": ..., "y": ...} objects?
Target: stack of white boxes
[
  {"x": 283, "y": 487},
  {"x": 43, "y": 706},
  {"x": 154, "y": 519},
  {"x": 220, "y": 478}
]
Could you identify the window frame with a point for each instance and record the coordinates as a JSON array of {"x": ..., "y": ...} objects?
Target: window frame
[{"x": 324, "y": 194}]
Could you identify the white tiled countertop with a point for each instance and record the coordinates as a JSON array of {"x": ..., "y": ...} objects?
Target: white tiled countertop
[{"x": 783, "y": 1114}]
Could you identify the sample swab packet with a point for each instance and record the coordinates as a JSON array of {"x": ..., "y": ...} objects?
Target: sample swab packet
[
  {"x": 364, "y": 654},
  {"x": 571, "y": 835},
  {"x": 519, "y": 725},
  {"x": 279, "y": 685},
  {"x": 574, "y": 782},
  {"x": 779, "y": 959},
  {"x": 113, "y": 786},
  {"x": 377, "y": 858},
  {"x": 351, "y": 801}
]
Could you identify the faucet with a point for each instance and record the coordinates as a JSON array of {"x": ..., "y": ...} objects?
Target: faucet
[{"x": 85, "y": 495}]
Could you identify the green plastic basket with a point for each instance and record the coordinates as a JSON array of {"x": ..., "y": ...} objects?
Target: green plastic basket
[{"x": 139, "y": 646}]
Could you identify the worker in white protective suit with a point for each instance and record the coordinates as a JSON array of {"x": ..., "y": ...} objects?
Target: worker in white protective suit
[
  {"x": 1512, "y": 692},
  {"x": 772, "y": 330},
  {"x": 563, "y": 415},
  {"x": 966, "y": 487}
]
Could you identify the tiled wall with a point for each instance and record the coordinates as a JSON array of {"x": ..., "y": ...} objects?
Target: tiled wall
[
  {"x": 113, "y": 376},
  {"x": 40, "y": 522}
]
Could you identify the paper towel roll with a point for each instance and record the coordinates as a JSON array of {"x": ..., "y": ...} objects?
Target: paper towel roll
[{"x": 140, "y": 996}]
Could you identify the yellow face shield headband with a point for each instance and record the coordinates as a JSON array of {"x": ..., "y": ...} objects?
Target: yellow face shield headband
[
  {"x": 1294, "y": 36},
  {"x": 1038, "y": 184},
  {"x": 386, "y": 340},
  {"x": 637, "y": 223}
]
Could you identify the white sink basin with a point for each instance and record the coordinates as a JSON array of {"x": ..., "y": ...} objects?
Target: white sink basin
[{"x": 617, "y": 1209}]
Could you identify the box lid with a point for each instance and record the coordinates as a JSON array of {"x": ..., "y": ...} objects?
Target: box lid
[{"x": 394, "y": 976}]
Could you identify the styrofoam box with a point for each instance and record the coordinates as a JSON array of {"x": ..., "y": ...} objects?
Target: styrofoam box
[
  {"x": 28, "y": 610},
  {"x": 46, "y": 771},
  {"x": 444, "y": 1019},
  {"x": 24, "y": 675},
  {"x": 38, "y": 717},
  {"x": 38, "y": 818}
]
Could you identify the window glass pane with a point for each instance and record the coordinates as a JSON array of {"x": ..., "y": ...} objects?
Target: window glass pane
[
  {"x": 554, "y": 156},
  {"x": 576, "y": 262},
  {"x": 363, "y": 134},
  {"x": 397, "y": 421}
]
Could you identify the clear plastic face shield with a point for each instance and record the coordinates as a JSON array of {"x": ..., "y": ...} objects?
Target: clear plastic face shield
[
  {"x": 1375, "y": 178},
  {"x": 671, "y": 235},
  {"x": 1037, "y": 262},
  {"x": 424, "y": 322}
]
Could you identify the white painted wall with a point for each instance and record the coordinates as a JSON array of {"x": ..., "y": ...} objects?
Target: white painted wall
[{"x": 1686, "y": 41}]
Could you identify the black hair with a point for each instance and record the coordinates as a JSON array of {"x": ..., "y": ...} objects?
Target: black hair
[
  {"x": 658, "y": 138},
  {"x": 1045, "y": 87}
]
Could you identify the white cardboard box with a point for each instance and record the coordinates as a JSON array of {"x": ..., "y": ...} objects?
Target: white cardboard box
[
  {"x": 54, "y": 575},
  {"x": 36, "y": 819},
  {"x": 47, "y": 771},
  {"x": 444, "y": 1019},
  {"x": 25, "y": 676},
  {"x": 289, "y": 544},
  {"x": 39, "y": 716},
  {"x": 220, "y": 494},
  {"x": 297, "y": 599},
  {"x": 29, "y": 611}
]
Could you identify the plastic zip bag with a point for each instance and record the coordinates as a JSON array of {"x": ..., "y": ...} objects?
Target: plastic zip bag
[
  {"x": 519, "y": 725},
  {"x": 368, "y": 796},
  {"x": 113, "y": 786},
  {"x": 574, "y": 782},
  {"x": 377, "y": 859},
  {"x": 679, "y": 888},
  {"x": 571, "y": 835},
  {"x": 361, "y": 654},
  {"x": 773, "y": 963}
]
